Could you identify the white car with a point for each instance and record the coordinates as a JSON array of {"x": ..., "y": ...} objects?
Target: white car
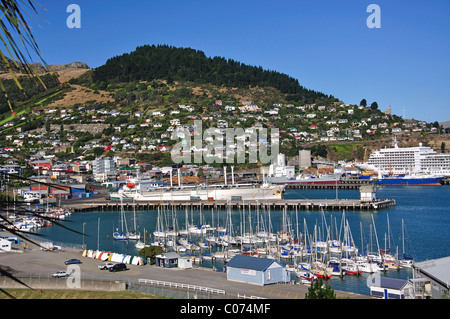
[
  {"x": 105, "y": 266},
  {"x": 59, "y": 274}
]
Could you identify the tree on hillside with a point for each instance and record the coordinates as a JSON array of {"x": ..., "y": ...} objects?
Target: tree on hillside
[
  {"x": 363, "y": 102},
  {"x": 163, "y": 62},
  {"x": 374, "y": 106}
]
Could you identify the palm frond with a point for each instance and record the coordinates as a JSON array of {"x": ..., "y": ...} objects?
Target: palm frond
[{"x": 14, "y": 25}]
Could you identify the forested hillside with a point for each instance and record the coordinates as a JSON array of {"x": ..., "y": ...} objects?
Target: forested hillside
[
  {"x": 31, "y": 87},
  {"x": 164, "y": 62}
]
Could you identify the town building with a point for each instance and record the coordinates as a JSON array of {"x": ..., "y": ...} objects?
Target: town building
[{"x": 103, "y": 168}]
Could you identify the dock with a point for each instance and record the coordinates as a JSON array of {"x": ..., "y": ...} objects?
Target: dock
[{"x": 290, "y": 204}]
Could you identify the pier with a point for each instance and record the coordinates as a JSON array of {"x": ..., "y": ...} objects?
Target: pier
[{"x": 300, "y": 204}]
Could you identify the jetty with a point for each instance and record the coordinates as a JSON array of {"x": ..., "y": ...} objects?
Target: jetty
[{"x": 300, "y": 204}]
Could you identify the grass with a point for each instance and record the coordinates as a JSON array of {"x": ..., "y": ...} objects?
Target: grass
[{"x": 74, "y": 294}]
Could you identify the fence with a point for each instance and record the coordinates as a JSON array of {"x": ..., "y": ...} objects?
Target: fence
[
  {"x": 176, "y": 290},
  {"x": 111, "y": 283},
  {"x": 49, "y": 282}
]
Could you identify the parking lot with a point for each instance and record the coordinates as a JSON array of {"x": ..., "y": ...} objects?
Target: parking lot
[{"x": 33, "y": 261}]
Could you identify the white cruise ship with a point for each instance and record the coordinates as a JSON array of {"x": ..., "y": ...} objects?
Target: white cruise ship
[{"x": 409, "y": 160}]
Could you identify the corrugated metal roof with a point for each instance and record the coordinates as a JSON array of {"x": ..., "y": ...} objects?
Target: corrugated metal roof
[
  {"x": 248, "y": 262},
  {"x": 437, "y": 268}
]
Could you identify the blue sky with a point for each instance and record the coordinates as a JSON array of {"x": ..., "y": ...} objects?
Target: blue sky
[{"x": 326, "y": 44}]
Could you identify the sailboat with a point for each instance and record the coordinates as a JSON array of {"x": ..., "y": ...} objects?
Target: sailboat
[
  {"x": 120, "y": 235},
  {"x": 406, "y": 262},
  {"x": 139, "y": 244},
  {"x": 133, "y": 235}
]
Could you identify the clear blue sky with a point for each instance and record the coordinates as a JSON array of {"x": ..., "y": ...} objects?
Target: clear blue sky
[{"x": 326, "y": 44}]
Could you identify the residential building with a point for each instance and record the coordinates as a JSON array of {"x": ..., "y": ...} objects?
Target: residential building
[{"x": 103, "y": 168}]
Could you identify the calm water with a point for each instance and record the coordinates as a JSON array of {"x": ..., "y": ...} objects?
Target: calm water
[{"x": 425, "y": 211}]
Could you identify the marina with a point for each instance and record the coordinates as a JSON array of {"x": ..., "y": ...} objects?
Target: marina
[{"x": 289, "y": 228}]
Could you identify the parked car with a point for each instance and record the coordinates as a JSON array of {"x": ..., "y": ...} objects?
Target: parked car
[
  {"x": 72, "y": 261},
  {"x": 105, "y": 266},
  {"x": 118, "y": 267},
  {"x": 60, "y": 274}
]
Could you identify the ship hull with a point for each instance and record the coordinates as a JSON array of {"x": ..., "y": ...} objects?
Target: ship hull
[{"x": 427, "y": 181}]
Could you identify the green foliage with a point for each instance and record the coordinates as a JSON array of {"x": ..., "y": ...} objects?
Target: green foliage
[
  {"x": 319, "y": 150},
  {"x": 31, "y": 87},
  {"x": 148, "y": 63},
  {"x": 150, "y": 252},
  {"x": 318, "y": 291}
]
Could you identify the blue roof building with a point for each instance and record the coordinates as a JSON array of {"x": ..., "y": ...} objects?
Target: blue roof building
[{"x": 258, "y": 271}]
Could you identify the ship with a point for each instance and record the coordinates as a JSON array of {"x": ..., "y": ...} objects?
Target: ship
[
  {"x": 147, "y": 190},
  {"x": 207, "y": 193},
  {"x": 409, "y": 160},
  {"x": 281, "y": 174},
  {"x": 409, "y": 180}
]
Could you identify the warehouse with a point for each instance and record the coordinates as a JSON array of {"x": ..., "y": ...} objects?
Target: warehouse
[
  {"x": 435, "y": 277},
  {"x": 258, "y": 271}
]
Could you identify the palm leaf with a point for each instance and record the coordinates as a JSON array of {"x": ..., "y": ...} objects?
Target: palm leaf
[{"x": 13, "y": 24}]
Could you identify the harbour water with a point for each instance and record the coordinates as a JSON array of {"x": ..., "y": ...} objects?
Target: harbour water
[{"x": 425, "y": 211}]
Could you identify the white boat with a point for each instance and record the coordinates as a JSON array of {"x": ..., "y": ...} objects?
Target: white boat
[
  {"x": 121, "y": 235},
  {"x": 207, "y": 192},
  {"x": 139, "y": 245}
]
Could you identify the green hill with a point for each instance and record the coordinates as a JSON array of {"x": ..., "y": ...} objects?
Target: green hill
[{"x": 163, "y": 62}]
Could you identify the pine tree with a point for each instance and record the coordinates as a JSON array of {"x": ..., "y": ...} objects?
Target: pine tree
[{"x": 318, "y": 291}]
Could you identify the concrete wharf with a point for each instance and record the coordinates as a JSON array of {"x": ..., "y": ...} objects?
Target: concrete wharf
[{"x": 300, "y": 204}]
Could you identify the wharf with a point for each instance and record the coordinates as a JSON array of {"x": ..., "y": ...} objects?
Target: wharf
[{"x": 300, "y": 204}]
